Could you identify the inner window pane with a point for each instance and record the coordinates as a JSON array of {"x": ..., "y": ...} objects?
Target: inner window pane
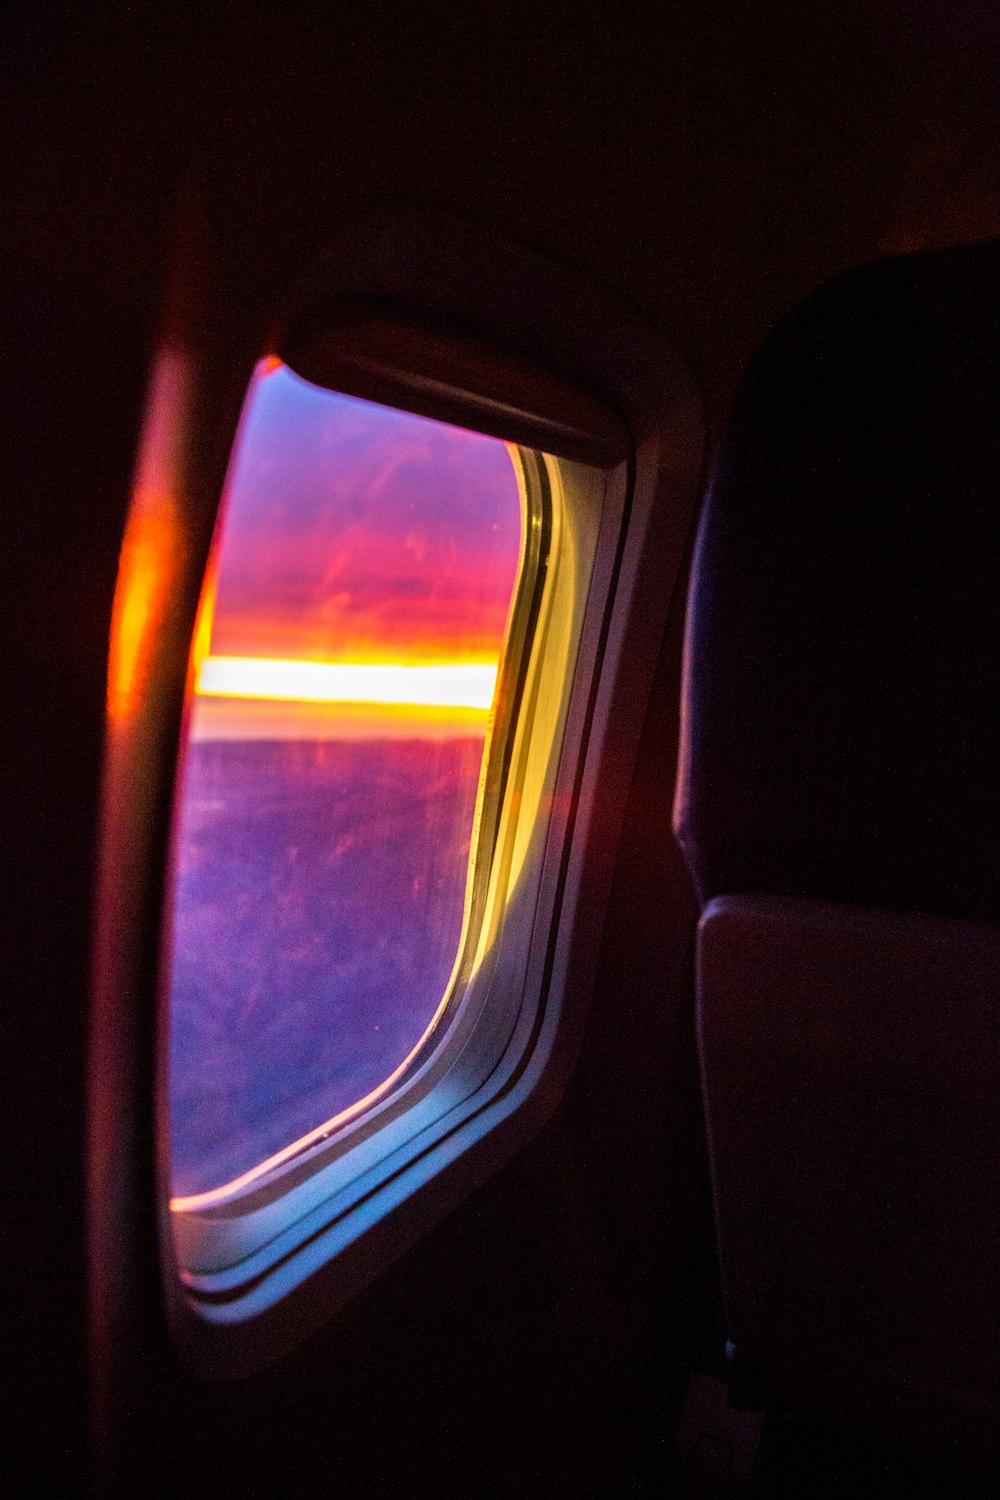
[{"x": 345, "y": 664}]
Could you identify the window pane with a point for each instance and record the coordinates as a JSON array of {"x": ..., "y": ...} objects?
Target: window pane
[{"x": 345, "y": 662}]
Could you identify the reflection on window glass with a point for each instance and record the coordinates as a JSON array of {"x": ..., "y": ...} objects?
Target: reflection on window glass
[{"x": 345, "y": 664}]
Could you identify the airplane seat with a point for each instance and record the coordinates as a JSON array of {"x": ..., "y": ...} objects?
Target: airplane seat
[{"x": 838, "y": 804}]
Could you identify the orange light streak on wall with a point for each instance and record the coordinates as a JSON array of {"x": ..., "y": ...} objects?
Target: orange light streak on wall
[{"x": 152, "y": 553}]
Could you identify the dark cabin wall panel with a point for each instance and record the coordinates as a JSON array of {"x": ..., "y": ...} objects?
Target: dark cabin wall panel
[
  {"x": 709, "y": 164},
  {"x": 82, "y": 247}
]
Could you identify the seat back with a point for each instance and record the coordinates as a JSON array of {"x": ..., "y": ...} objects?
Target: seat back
[
  {"x": 839, "y": 808},
  {"x": 851, "y": 1062}
]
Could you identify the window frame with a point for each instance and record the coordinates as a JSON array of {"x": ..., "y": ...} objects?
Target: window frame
[
  {"x": 569, "y": 372},
  {"x": 238, "y": 1262},
  {"x": 242, "y": 1233},
  {"x": 204, "y": 1221}
]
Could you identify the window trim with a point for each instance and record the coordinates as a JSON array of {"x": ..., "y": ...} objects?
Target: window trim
[
  {"x": 239, "y": 1237},
  {"x": 243, "y": 1258},
  {"x": 416, "y": 266}
]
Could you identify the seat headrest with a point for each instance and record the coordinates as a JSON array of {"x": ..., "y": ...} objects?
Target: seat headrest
[{"x": 841, "y": 719}]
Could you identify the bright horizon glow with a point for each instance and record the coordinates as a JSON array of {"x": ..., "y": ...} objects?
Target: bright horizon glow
[{"x": 463, "y": 684}]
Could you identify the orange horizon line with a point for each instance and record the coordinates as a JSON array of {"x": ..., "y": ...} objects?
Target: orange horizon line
[{"x": 450, "y": 684}]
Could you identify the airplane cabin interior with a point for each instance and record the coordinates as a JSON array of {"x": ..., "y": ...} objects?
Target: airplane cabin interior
[{"x": 501, "y": 792}]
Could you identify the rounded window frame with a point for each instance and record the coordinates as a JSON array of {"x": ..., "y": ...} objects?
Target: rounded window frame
[
  {"x": 639, "y": 443},
  {"x": 217, "y": 1232}
]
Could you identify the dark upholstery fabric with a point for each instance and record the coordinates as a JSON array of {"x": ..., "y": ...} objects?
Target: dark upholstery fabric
[
  {"x": 851, "y": 1063},
  {"x": 842, "y": 693}
]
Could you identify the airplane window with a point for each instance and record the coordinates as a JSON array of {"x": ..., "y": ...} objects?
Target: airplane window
[
  {"x": 328, "y": 827},
  {"x": 420, "y": 646}
]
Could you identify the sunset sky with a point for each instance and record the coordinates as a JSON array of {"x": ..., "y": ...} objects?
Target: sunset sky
[{"x": 354, "y": 535}]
